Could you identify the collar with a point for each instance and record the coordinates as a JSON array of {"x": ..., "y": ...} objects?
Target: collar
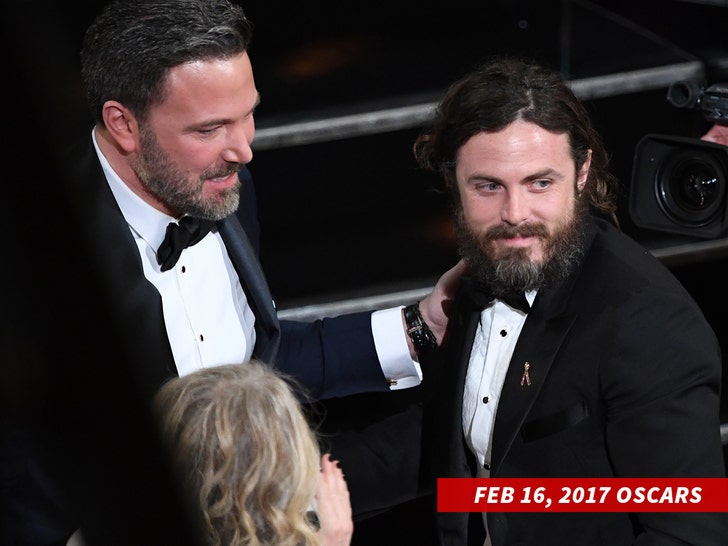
[{"x": 144, "y": 220}]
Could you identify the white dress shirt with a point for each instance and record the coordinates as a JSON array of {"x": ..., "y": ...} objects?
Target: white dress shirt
[
  {"x": 493, "y": 346},
  {"x": 208, "y": 319}
]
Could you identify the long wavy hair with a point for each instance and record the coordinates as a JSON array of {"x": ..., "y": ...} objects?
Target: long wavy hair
[
  {"x": 246, "y": 453},
  {"x": 504, "y": 90}
]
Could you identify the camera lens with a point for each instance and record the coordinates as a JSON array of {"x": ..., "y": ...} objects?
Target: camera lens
[
  {"x": 684, "y": 94},
  {"x": 691, "y": 189}
]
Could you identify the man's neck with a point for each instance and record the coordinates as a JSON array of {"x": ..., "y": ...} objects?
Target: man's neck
[{"x": 121, "y": 162}]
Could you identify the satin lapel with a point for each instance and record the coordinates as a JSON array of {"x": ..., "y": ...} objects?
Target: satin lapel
[
  {"x": 450, "y": 456},
  {"x": 456, "y": 383},
  {"x": 256, "y": 288},
  {"x": 109, "y": 230},
  {"x": 112, "y": 251},
  {"x": 538, "y": 345}
]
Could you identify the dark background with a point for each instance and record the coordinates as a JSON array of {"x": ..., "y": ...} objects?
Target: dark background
[
  {"x": 355, "y": 216},
  {"x": 339, "y": 219}
]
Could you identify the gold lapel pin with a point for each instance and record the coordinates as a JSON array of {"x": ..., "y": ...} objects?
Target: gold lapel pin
[{"x": 526, "y": 377}]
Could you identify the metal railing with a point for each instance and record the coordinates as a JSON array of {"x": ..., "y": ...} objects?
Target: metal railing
[
  {"x": 672, "y": 256},
  {"x": 406, "y": 117}
]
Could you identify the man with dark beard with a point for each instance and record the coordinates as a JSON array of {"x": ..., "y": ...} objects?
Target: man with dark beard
[{"x": 572, "y": 351}]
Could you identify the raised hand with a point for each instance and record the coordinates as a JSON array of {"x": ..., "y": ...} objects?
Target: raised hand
[{"x": 334, "y": 506}]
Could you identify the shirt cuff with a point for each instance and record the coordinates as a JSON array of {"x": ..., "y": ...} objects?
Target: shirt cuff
[{"x": 394, "y": 356}]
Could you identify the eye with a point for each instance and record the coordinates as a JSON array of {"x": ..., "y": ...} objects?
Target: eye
[
  {"x": 541, "y": 184},
  {"x": 487, "y": 186},
  {"x": 207, "y": 131}
]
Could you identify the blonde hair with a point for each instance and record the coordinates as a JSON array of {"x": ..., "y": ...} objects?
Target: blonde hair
[{"x": 246, "y": 453}]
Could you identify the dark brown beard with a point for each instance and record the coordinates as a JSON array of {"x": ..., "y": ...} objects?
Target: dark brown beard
[{"x": 511, "y": 269}]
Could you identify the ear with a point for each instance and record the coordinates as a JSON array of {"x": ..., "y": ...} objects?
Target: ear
[
  {"x": 121, "y": 125},
  {"x": 583, "y": 173}
]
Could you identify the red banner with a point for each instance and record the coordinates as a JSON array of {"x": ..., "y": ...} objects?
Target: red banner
[{"x": 582, "y": 495}]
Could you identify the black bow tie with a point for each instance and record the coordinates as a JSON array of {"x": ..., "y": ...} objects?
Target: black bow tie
[
  {"x": 189, "y": 231},
  {"x": 482, "y": 297}
]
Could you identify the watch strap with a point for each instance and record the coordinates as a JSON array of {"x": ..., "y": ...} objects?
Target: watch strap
[{"x": 419, "y": 332}]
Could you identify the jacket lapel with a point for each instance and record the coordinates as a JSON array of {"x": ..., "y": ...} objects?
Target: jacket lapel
[
  {"x": 444, "y": 379},
  {"x": 252, "y": 279},
  {"x": 135, "y": 304},
  {"x": 538, "y": 345}
]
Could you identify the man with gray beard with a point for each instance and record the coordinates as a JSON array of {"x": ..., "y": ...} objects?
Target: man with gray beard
[
  {"x": 572, "y": 351},
  {"x": 163, "y": 208}
]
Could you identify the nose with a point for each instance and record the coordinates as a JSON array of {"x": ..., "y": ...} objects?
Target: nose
[
  {"x": 237, "y": 148},
  {"x": 514, "y": 209}
]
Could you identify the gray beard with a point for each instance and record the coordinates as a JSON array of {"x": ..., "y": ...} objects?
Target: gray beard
[
  {"x": 514, "y": 271},
  {"x": 165, "y": 180}
]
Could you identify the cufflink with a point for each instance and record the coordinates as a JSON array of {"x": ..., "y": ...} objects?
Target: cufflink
[{"x": 392, "y": 382}]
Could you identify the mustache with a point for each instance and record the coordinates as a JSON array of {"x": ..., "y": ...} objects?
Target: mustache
[
  {"x": 222, "y": 172},
  {"x": 506, "y": 231}
]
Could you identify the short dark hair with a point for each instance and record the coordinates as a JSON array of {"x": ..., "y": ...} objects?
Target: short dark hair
[
  {"x": 500, "y": 92},
  {"x": 132, "y": 44}
]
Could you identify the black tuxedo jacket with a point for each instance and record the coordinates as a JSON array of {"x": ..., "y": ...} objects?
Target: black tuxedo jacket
[
  {"x": 39, "y": 494},
  {"x": 625, "y": 379},
  {"x": 332, "y": 357}
]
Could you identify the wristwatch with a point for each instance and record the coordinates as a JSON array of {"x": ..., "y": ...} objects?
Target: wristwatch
[{"x": 422, "y": 337}]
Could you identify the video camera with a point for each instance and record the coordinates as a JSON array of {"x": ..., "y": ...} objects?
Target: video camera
[{"x": 680, "y": 185}]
